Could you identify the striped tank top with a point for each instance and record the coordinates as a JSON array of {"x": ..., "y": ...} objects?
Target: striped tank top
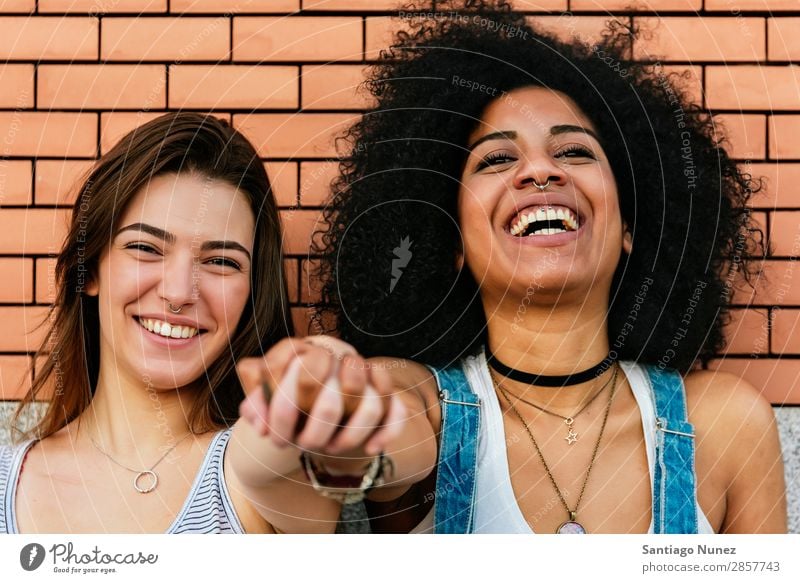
[{"x": 207, "y": 510}]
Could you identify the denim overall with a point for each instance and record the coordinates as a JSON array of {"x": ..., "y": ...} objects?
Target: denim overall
[{"x": 674, "y": 489}]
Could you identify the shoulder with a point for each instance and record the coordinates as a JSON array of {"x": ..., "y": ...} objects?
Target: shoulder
[
  {"x": 727, "y": 400},
  {"x": 730, "y": 415}
]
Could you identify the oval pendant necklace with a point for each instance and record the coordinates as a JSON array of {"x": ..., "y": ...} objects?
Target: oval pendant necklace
[{"x": 571, "y": 525}]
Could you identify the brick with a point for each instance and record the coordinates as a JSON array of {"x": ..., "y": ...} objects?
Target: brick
[
  {"x": 45, "y": 280},
  {"x": 310, "y": 284},
  {"x": 292, "y": 279},
  {"x": 644, "y": 5},
  {"x": 781, "y": 184},
  {"x": 16, "y": 86},
  {"x": 783, "y": 42},
  {"x": 784, "y": 136},
  {"x": 294, "y": 38},
  {"x": 301, "y": 318},
  {"x": 784, "y": 234},
  {"x": 334, "y": 87},
  {"x": 747, "y": 332},
  {"x": 15, "y": 377},
  {"x": 16, "y": 280},
  {"x": 7, "y": 6},
  {"x": 690, "y": 80},
  {"x": 746, "y": 137},
  {"x": 379, "y": 34},
  {"x": 249, "y": 6},
  {"x": 779, "y": 284},
  {"x": 760, "y": 5},
  {"x": 58, "y": 181},
  {"x": 15, "y": 182},
  {"x": 233, "y": 87},
  {"x": 386, "y": 5},
  {"x": 691, "y": 38},
  {"x": 298, "y": 228},
  {"x": 165, "y": 39},
  {"x": 568, "y": 27},
  {"x": 315, "y": 181},
  {"x": 95, "y": 7},
  {"x": 114, "y": 126},
  {"x": 32, "y": 230},
  {"x": 22, "y": 328},
  {"x": 102, "y": 86},
  {"x": 786, "y": 331},
  {"x": 778, "y": 379},
  {"x": 753, "y": 87},
  {"x": 283, "y": 179},
  {"x": 48, "y": 133},
  {"x": 48, "y": 37},
  {"x": 309, "y": 135}
]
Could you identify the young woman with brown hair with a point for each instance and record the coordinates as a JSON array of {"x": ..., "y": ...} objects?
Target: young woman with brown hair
[{"x": 171, "y": 272}]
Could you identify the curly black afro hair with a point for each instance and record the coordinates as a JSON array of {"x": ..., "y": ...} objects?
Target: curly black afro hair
[{"x": 681, "y": 194}]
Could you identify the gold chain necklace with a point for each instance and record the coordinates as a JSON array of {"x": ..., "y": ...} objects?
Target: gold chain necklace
[
  {"x": 142, "y": 473},
  {"x": 571, "y": 525},
  {"x": 572, "y": 436}
]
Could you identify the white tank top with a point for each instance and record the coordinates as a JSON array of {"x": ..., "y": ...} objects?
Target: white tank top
[{"x": 496, "y": 508}]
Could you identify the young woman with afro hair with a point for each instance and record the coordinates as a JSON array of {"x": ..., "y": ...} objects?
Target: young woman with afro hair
[{"x": 535, "y": 242}]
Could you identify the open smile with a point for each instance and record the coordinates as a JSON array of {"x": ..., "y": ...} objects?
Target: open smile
[{"x": 166, "y": 331}]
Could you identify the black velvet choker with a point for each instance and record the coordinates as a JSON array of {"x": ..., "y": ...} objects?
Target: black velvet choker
[{"x": 549, "y": 380}]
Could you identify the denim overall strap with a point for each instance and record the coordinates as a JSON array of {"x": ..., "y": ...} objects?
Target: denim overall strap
[
  {"x": 674, "y": 478},
  {"x": 458, "y": 452}
]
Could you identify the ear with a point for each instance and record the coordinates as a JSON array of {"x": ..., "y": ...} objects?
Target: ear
[
  {"x": 91, "y": 289},
  {"x": 627, "y": 239}
]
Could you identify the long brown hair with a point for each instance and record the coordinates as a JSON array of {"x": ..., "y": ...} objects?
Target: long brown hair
[{"x": 172, "y": 143}]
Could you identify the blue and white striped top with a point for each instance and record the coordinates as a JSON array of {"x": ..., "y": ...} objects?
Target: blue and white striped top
[{"x": 207, "y": 510}]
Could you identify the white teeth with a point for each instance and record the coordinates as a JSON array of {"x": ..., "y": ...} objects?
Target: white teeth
[
  {"x": 168, "y": 330},
  {"x": 523, "y": 220}
]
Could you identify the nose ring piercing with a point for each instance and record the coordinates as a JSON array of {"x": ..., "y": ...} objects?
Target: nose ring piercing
[
  {"x": 173, "y": 309},
  {"x": 542, "y": 187}
]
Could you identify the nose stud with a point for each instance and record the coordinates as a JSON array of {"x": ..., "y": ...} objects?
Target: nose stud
[
  {"x": 542, "y": 187},
  {"x": 174, "y": 309}
]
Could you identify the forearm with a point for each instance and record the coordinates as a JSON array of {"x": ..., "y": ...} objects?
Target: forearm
[
  {"x": 272, "y": 481},
  {"x": 256, "y": 460}
]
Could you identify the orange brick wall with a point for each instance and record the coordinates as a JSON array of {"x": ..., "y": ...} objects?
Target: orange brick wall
[{"x": 80, "y": 73}]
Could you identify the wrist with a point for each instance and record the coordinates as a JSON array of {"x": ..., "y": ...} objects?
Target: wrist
[{"x": 347, "y": 485}]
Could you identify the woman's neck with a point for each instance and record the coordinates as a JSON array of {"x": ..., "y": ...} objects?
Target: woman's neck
[
  {"x": 129, "y": 415},
  {"x": 548, "y": 340}
]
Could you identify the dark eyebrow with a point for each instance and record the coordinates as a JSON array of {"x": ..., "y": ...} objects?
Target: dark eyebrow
[
  {"x": 212, "y": 245},
  {"x": 568, "y": 129},
  {"x": 512, "y": 135},
  {"x": 170, "y": 238},
  {"x": 150, "y": 230},
  {"x": 504, "y": 135}
]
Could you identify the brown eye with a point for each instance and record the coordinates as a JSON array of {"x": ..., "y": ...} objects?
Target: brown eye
[
  {"x": 575, "y": 151},
  {"x": 494, "y": 159}
]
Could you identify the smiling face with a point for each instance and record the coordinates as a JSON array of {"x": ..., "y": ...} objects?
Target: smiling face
[
  {"x": 186, "y": 241},
  {"x": 564, "y": 239}
]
